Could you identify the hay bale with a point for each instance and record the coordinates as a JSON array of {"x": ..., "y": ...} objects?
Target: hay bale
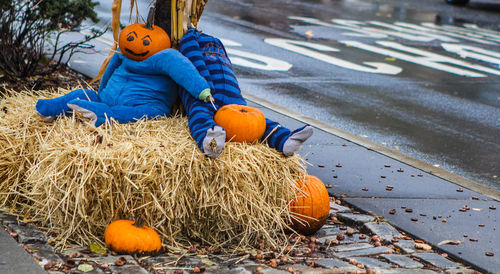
[{"x": 73, "y": 179}]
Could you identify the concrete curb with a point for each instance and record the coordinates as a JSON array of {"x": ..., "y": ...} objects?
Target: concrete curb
[{"x": 15, "y": 259}]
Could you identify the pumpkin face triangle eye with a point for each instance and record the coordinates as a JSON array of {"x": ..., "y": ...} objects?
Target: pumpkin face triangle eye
[
  {"x": 130, "y": 38},
  {"x": 145, "y": 42}
]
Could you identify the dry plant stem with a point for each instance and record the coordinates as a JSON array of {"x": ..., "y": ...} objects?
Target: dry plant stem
[
  {"x": 181, "y": 5},
  {"x": 200, "y": 6},
  {"x": 185, "y": 14},
  {"x": 193, "y": 16},
  {"x": 74, "y": 179},
  {"x": 116, "y": 8},
  {"x": 173, "y": 31}
]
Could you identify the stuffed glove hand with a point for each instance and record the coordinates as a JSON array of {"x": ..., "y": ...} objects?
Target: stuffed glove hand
[{"x": 205, "y": 95}]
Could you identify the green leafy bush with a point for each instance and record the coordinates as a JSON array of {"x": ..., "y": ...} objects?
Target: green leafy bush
[{"x": 29, "y": 28}]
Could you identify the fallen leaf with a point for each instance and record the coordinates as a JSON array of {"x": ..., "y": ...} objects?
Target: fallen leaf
[
  {"x": 121, "y": 261},
  {"x": 85, "y": 268},
  {"x": 309, "y": 33},
  {"x": 423, "y": 246},
  {"x": 450, "y": 242},
  {"x": 254, "y": 252},
  {"x": 97, "y": 248},
  {"x": 26, "y": 220},
  {"x": 208, "y": 262},
  {"x": 48, "y": 266}
]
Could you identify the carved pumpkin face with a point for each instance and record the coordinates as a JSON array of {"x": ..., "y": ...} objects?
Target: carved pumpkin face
[{"x": 138, "y": 43}]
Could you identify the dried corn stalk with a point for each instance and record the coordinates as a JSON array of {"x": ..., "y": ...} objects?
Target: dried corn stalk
[
  {"x": 185, "y": 14},
  {"x": 116, "y": 8}
]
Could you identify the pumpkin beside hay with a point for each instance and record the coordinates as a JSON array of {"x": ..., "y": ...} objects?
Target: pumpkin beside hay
[
  {"x": 73, "y": 179},
  {"x": 311, "y": 207},
  {"x": 128, "y": 236}
]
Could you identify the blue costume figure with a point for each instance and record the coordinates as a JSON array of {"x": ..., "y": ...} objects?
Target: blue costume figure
[
  {"x": 134, "y": 85},
  {"x": 210, "y": 58}
]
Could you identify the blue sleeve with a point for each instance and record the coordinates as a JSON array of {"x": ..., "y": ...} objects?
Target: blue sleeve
[
  {"x": 172, "y": 63},
  {"x": 115, "y": 61}
]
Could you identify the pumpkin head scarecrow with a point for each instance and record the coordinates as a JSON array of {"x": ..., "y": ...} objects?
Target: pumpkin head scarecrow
[
  {"x": 141, "y": 81},
  {"x": 139, "y": 41}
]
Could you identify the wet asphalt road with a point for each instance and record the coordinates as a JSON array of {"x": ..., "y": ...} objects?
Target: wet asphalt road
[{"x": 420, "y": 77}]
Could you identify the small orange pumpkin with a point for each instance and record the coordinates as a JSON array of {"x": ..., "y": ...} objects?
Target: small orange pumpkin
[
  {"x": 312, "y": 205},
  {"x": 125, "y": 236},
  {"x": 242, "y": 123},
  {"x": 139, "y": 41}
]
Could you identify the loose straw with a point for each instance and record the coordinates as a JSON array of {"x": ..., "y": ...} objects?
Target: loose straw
[{"x": 73, "y": 179}]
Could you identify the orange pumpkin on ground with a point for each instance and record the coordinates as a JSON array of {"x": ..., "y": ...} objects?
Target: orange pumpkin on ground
[
  {"x": 242, "y": 123},
  {"x": 125, "y": 236},
  {"x": 312, "y": 205},
  {"x": 139, "y": 41}
]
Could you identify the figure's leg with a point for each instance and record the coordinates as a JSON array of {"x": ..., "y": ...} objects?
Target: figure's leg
[
  {"x": 209, "y": 137},
  {"x": 284, "y": 140},
  {"x": 226, "y": 87},
  {"x": 99, "y": 112},
  {"x": 209, "y": 56},
  {"x": 190, "y": 48},
  {"x": 50, "y": 108}
]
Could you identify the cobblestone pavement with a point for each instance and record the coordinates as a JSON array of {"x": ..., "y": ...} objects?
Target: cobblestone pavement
[{"x": 350, "y": 242}]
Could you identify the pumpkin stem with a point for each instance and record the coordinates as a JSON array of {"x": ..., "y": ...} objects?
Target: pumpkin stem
[
  {"x": 149, "y": 21},
  {"x": 139, "y": 222}
]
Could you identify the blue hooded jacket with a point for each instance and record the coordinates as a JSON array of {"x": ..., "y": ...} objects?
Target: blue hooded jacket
[
  {"x": 131, "y": 90},
  {"x": 151, "y": 82}
]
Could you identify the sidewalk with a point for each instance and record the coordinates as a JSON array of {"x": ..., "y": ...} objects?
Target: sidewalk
[
  {"x": 415, "y": 201},
  {"x": 350, "y": 242},
  {"x": 399, "y": 189}
]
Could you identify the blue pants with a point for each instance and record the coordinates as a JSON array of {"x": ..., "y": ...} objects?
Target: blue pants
[
  {"x": 90, "y": 100},
  {"x": 210, "y": 58}
]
